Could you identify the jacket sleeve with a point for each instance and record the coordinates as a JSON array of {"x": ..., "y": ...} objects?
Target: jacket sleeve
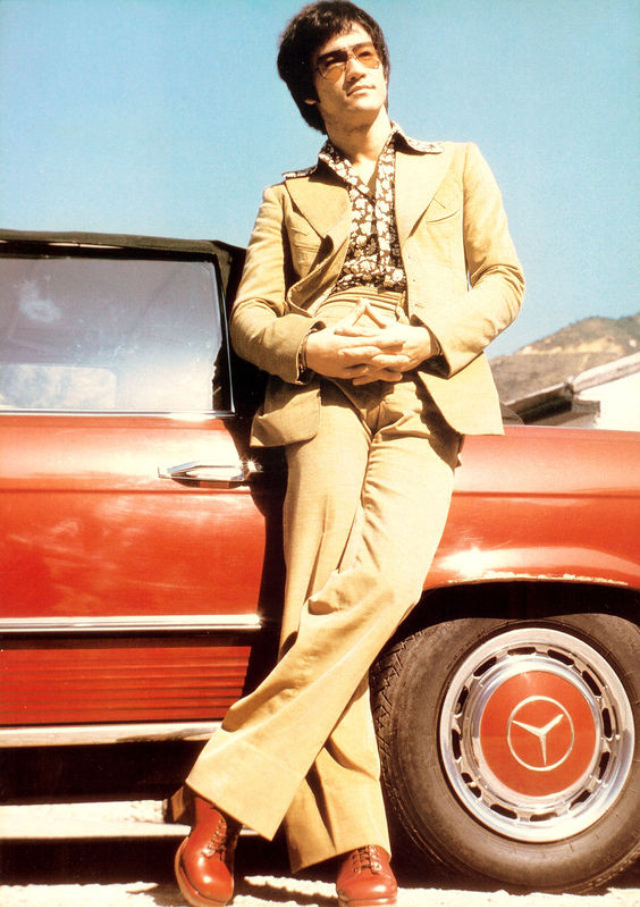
[
  {"x": 262, "y": 330},
  {"x": 474, "y": 315}
]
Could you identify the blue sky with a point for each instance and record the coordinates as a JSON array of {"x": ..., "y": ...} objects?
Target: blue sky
[{"x": 166, "y": 117}]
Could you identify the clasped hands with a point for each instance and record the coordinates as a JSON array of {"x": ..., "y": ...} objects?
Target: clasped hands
[{"x": 364, "y": 353}]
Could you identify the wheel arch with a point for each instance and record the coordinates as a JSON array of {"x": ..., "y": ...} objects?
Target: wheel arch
[
  {"x": 572, "y": 559},
  {"x": 520, "y": 600}
]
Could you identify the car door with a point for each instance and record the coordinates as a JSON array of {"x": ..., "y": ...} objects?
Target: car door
[{"x": 131, "y": 545}]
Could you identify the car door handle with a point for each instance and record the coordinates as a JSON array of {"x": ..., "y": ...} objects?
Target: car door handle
[{"x": 212, "y": 475}]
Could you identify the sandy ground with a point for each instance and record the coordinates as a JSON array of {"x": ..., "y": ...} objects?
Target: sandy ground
[
  {"x": 267, "y": 891},
  {"x": 120, "y": 855}
]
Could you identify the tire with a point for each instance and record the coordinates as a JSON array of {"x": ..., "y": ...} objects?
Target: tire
[{"x": 510, "y": 750}]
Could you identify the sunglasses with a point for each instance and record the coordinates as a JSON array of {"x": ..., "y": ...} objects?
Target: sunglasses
[{"x": 331, "y": 66}]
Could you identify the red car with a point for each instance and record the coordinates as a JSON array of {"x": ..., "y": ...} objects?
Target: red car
[{"x": 141, "y": 577}]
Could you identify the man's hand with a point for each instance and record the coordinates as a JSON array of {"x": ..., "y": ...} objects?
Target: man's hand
[
  {"x": 364, "y": 354},
  {"x": 356, "y": 352},
  {"x": 412, "y": 344}
]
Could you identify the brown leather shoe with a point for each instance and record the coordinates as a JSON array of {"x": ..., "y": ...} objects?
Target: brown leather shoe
[
  {"x": 365, "y": 879},
  {"x": 204, "y": 861}
]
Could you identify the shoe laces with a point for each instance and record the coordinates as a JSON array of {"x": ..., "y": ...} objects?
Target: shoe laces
[
  {"x": 220, "y": 841},
  {"x": 366, "y": 858}
]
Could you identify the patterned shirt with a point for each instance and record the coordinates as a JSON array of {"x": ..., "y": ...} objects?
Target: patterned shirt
[{"x": 373, "y": 256}]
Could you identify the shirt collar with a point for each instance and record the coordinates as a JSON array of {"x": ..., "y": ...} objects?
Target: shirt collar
[
  {"x": 397, "y": 135},
  {"x": 410, "y": 144},
  {"x": 329, "y": 153}
]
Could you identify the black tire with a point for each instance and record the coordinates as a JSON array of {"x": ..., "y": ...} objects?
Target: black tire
[{"x": 511, "y": 749}]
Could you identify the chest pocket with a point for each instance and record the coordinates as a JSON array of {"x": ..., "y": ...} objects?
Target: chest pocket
[
  {"x": 304, "y": 245},
  {"x": 445, "y": 205}
]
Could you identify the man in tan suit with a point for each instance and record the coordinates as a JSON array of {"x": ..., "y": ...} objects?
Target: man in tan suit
[{"x": 373, "y": 283}]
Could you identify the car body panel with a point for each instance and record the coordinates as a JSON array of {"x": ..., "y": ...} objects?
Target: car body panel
[
  {"x": 108, "y": 556},
  {"x": 544, "y": 504},
  {"x": 99, "y": 533}
]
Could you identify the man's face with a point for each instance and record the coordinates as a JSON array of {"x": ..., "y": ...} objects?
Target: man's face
[{"x": 358, "y": 93}]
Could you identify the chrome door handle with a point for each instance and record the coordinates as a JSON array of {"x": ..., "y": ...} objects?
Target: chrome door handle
[{"x": 213, "y": 475}]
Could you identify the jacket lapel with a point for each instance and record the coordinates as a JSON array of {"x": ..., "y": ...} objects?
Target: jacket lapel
[
  {"x": 325, "y": 205},
  {"x": 417, "y": 179}
]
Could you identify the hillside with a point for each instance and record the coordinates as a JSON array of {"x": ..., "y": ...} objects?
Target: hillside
[{"x": 564, "y": 354}]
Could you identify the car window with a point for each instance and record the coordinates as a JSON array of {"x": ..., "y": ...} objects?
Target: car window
[{"x": 109, "y": 334}]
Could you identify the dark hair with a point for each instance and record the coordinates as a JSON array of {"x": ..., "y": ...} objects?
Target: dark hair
[{"x": 312, "y": 27}]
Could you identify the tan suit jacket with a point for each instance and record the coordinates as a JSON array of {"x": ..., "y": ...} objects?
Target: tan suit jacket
[{"x": 464, "y": 282}]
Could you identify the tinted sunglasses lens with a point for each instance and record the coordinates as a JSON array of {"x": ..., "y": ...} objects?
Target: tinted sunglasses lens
[
  {"x": 368, "y": 57},
  {"x": 334, "y": 64}
]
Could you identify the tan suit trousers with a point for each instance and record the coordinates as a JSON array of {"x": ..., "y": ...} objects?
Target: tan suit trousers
[{"x": 367, "y": 500}]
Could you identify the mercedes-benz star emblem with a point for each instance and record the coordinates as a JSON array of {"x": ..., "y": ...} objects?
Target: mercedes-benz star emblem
[{"x": 560, "y": 720}]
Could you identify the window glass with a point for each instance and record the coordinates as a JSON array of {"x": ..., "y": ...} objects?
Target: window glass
[{"x": 110, "y": 335}]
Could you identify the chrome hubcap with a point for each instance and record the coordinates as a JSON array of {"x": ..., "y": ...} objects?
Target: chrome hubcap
[{"x": 536, "y": 734}]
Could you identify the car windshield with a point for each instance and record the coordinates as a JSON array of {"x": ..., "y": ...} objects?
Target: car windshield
[{"x": 110, "y": 334}]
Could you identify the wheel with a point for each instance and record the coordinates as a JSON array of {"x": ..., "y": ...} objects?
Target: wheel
[{"x": 511, "y": 749}]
